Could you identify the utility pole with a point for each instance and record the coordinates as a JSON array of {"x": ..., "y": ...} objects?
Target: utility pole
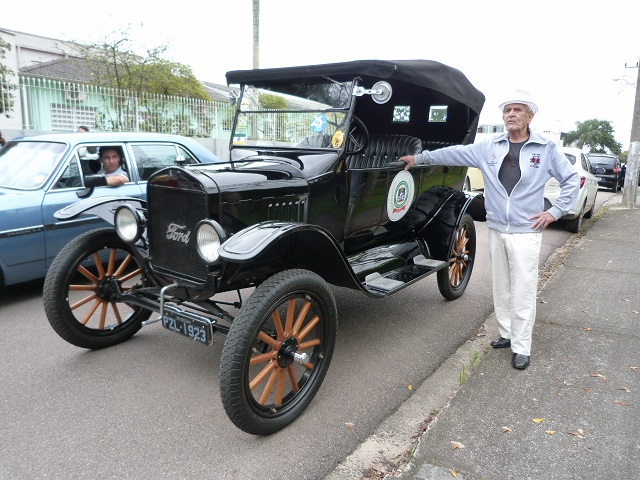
[
  {"x": 256, "y": 34},
  {"x": 633, "y": 156}
]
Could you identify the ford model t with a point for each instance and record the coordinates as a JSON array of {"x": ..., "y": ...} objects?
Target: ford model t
[{"x": 312, "y": 195}]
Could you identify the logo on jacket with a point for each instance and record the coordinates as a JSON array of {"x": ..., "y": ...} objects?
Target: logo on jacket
[
  {"x": 177, "y": 233},
  {"x": 400, "y": 195},
  {"x": 535, "y": 160}
]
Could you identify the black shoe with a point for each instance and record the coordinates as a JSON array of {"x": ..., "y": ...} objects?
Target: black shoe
[
  {"x": 519, "y": 361},
  {"x": 501, "y": 343}
]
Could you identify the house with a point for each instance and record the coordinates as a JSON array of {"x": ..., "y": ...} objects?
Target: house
[{"x": 58, "y": 93}]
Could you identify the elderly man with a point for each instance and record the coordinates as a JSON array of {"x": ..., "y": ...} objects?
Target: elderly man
[{"x": 515, "y": 166}]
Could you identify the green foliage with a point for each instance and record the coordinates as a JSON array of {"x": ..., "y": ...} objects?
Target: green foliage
[
  {"x": 272, "y": 102},
  {"x": 462, "y": 375},
  {"x": 118, "y": 62},
  {"x": 7, "y": 99},
  {"x": 596, "y": 134}
]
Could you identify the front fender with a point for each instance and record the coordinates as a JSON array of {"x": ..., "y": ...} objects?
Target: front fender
[
  {"x": 103, "y": 207},
  {"x": 287, "y": 245}
]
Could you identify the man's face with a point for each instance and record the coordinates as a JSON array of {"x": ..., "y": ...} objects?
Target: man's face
[
  {"x": 516, "y": 117},
  {"x": 110, "y": 160}
]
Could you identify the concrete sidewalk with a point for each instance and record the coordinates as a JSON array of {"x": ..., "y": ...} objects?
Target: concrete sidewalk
[{"x": 573, "y": 414}]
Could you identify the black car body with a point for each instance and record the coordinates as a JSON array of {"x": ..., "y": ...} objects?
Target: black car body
[
  {"x": 607, "y": 169},
  {"x": 313, "y": 195}
]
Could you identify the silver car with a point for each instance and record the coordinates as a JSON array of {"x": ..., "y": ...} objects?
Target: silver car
[{"x": 585, "y": 202}]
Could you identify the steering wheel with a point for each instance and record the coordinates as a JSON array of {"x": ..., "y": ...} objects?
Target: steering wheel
[{"x": 351, "y": 136}]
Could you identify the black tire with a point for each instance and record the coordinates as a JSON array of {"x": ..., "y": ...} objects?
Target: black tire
[
  {"x": 263, "y": 390},
  {"x": 574, "y": 225},
  {"x": 589, "y": 214},
  {"x": 453, "y": 281},
  {"x": 79, "y": 288}
]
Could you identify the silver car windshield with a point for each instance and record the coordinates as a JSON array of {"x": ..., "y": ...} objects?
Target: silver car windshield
[{"x": 27, "y": 165}]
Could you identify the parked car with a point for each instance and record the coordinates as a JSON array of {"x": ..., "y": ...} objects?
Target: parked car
[
  {"x": 313, "y": 195},
  {"x": 42, "y": 174},
  {"x": 474, "y": 180},
  {"x": 607, "y": 169},
  {"x": 585, "y": 202}
]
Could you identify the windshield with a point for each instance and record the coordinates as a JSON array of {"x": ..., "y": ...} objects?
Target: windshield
[
  {"x": 27, "y": 165},
  {"x": 294, "y": 116}
]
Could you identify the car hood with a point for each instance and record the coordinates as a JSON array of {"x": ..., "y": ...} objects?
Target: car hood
[{"x": 256, "y": 177}]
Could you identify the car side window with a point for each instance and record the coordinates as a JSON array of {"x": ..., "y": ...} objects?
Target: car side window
[
  {"x": 152, "y": 157},
  {"x": 586, "y": 166},
  {"x": 70, "y": 178}
]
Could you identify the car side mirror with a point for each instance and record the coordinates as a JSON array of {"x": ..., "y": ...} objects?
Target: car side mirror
[{"x": 90, "y": 183}]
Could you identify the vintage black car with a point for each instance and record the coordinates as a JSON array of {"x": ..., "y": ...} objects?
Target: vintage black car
[{"x": 313, "y": 195}]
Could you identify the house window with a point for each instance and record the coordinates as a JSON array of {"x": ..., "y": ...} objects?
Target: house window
[{"x": 65, "y": 118}]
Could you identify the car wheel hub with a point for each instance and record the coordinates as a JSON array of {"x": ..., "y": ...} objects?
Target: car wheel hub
[
  {"x": 108, "y": 289},
  {"x": 288, "y": 353}
]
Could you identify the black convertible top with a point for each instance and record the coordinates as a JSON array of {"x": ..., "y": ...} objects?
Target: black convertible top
[{"x": 424, "y": 73}]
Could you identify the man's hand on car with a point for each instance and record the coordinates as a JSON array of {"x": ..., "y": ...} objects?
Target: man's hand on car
[{"x": 408, "y": 159}]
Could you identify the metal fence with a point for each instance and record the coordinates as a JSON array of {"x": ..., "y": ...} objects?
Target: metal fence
[
  {"x": 53, "y": 105},
  {"x": 7, "y": 92}
]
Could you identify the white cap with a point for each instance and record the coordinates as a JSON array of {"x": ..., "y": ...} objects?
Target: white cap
[{"x": 523, "y": 97}]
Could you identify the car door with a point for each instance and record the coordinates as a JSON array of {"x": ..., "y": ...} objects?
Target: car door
[
  {"x": 591, "y": 182},
  {"x": 64, "y": 191}
]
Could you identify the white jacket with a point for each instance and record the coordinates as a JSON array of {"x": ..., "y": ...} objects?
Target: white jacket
[{"x": 540, "y": 159}]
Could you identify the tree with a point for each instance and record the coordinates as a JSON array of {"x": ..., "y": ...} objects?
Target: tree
[
  {"x": 7, "y": 88},
  {"x": 272, "y": 102},
  {"x": 596, "y": 134},
  {"x": 115, "y": 63}
]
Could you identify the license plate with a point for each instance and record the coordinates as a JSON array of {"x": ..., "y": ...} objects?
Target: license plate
[{"x": 189, "y": 326}]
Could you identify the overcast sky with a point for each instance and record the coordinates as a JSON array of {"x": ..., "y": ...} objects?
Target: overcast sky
[{"x": 567, "y": 53}]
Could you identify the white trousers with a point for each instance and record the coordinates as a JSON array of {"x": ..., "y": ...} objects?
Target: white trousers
[{"x": 514, "y": 266}]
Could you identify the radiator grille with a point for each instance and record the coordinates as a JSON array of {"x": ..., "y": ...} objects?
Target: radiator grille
[{"x": 173, "y": 214}]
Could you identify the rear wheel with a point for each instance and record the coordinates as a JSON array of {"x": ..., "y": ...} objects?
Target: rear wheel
[
  {"x": 81, "y": 289},
  {"x": 453, "y": 281},
  {"x": 278, "y": 351},
  {"x": 575, "y": 224},
  {"x": 589, "y": 214}
]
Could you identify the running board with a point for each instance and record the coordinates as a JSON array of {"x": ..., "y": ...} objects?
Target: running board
[{"x": 397, "y": 279}]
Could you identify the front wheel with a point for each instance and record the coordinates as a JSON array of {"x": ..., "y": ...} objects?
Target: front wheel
[
  {"x": 81, "y": 289},
  {"x": 278, "y": 351},
  {"x": 453, "y": 281}
]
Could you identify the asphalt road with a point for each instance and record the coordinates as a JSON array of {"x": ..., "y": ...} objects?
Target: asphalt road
[{"x": 150, "y": 408}]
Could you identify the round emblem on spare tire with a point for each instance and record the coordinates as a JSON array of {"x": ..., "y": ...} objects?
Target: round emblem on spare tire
[{"x": 400, "y": 195}]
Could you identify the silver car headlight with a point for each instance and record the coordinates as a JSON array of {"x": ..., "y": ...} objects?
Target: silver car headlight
[
  {"x": 130, "y": 223},
  {"x": 209, "y": 237}
]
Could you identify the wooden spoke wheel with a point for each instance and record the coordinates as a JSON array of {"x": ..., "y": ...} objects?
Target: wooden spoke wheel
[
  {"x": 278, "y": 351},
  {"x": 82, "y": 289},
  {"x": 453, "y": 281}
]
